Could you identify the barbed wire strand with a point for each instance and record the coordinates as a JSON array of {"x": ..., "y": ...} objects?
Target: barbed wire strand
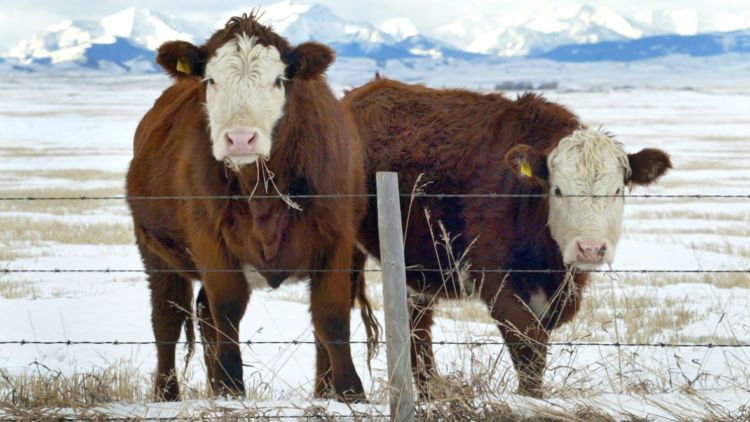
[
  {"x": 351, "y": 270},
  {"x": 240, "y": 414},
  {"x": 363, "y": 195},
  {"x": 665, "y": 345}
]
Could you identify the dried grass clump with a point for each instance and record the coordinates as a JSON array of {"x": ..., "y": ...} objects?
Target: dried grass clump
[
  {"x": 46, "y": 389},
  {"x": 38, "y": 231},
  {"x": 18, "y": 290}
]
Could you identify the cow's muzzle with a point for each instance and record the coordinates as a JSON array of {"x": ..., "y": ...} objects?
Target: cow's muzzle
[{"x": 590, "y": 251}]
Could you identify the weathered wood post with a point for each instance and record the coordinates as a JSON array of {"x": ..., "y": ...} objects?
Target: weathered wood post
[{"x": 398, "y": 346}]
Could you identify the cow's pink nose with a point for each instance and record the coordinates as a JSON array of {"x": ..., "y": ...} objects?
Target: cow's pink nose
[
  {"x": 241, "y": 142},
  {"x": 591, "y": 251}
]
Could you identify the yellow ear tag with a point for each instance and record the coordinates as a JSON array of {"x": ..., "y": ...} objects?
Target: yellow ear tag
[
  {"x": 183, "y": 66},
  {"x": 526, "y": 169}
]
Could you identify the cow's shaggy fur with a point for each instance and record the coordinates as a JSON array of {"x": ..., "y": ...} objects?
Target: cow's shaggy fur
[
  {"x": 314, "y": 150},
  {"x": 462, "y": 142}
]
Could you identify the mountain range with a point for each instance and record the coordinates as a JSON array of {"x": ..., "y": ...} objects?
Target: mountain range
[{"x": 126, "y": 40}]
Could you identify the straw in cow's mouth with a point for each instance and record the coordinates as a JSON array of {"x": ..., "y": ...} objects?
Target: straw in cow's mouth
[{"x": 261, "y": 166}]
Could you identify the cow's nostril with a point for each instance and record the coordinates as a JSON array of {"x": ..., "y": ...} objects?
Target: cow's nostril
[{"x": 241, "y": 138}]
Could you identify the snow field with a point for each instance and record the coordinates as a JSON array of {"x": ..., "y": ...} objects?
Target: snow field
[{"x": 67, "y": 137}]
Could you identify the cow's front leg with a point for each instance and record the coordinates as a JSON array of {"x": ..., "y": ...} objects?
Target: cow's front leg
[
  {"x": 422, "y": 356},
  {"x": 323, "y": 371},
  {"x": 524, "y": 335},
  {"x": 228, "y": 295},
  {"x": 330, "y": 305}
]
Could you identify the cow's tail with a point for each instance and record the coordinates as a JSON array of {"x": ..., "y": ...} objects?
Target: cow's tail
[
  {"x": 189, "y": 332},
  {"x": 372, "y": 326}
]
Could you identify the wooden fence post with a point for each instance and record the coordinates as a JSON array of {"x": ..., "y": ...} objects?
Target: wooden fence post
[{"x": 397, "y": 330}]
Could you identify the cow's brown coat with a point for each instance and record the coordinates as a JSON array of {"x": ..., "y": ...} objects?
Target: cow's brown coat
[
  {"x": 463, "y": 142},
  {"x": 315, "y": 151}
]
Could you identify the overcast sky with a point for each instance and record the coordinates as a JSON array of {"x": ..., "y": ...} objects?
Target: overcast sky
[{"x": 21, "y": 19}]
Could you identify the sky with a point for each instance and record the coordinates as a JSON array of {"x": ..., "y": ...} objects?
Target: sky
[{"x": 21, "y": 19}]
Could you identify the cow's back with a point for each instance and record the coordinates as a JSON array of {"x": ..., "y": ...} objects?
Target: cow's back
[{"x": 406, "y": 127}]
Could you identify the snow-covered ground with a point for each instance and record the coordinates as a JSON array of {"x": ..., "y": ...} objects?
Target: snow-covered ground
[{"x": 68, "y": 136}]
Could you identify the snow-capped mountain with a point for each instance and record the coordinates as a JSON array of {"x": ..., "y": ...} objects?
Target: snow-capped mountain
[
  {"x": 518, "y": 34},
  {"x": 123, "y": 36},
  {"x": 399, "y": 28},
  {"x": 301, "y": 22},
  {"x": 127, "y": 39},
  {"x": 651, "y": 47},
  {"x": 534, "y": 32}
]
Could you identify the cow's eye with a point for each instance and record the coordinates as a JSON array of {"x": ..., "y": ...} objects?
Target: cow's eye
[
  {"x": 209, "y": 81},
  {"x": 279, "y": 80},
  {"x": 558, "y": 192}
]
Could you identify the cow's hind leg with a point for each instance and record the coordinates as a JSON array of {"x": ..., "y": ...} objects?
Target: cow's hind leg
[
  {"x": 207, "y": 332},
  {"x": 171, "y": 297},
  {"x": 422, "y": 356},
  {"x": 323, "y": 370},
  {"x": 330, "y": 306}
]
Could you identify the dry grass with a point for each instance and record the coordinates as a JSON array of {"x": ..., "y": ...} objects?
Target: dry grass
[
  {"x": 8, "y": 253},
  {"x": 725, "y": 248},
  {"x": 719, "y": 280},
  {"x": 22, "y": 152},
  {"x": 46, "y": 388},
  {"x": 688, "y": 215},
  {"x": 18, "y": 290},
  {"x": 709, "y": 165},
  {"x": 46, "y": 393},
  {"x": 640, "y": 316},
  {"x": 63, "y": 207},
  {"x": 480, "y": 387},
  {"x": 39, "y": 231},
  {"x": 76, "y": 175},
  {"x": 735, "y": 230}
]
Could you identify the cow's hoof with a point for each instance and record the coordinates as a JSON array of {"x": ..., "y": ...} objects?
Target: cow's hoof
[{"x": 223, "y": 391}]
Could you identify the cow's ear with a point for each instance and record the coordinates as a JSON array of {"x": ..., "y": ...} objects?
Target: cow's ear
[
  {"x": 647, "y": 166},
  {"x": 529, "y": 164},
  {"x": 181, "y": 59},
  {"x": 308, "y": 60}
]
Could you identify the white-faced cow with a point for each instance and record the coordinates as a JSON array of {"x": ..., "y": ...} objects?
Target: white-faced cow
[
  {"x": 248, "y": 115},
  {"x": 461, "y": 143}
]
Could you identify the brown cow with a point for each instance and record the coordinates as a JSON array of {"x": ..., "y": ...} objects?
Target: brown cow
[
  {"x": 248, "y": 115},
  {"x": 467, "y": 143}
]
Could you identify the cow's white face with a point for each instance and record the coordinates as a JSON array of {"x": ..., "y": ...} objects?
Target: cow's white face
[
  {"x": 587, "y": 229},
  {"x": 245, "y": 79},
  {"x": 244, "y": 99},
  {"x": 586, "y": 163}
]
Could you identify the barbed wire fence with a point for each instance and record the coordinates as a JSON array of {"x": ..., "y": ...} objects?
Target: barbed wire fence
[{"x": 9, "y": 269}]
